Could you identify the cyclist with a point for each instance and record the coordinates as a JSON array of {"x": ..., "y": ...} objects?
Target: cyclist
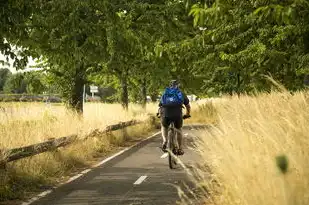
[{"x": 170, "y": 108}]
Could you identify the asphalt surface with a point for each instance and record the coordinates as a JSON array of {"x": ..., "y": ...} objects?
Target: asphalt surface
[{"x": 138, "y": 176}]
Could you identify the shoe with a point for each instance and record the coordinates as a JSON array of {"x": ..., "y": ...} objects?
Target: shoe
[
  {"x": 164, "y": 146},
  {"x": 175, "y": 151},
  {"x": 180, "y": 151}
]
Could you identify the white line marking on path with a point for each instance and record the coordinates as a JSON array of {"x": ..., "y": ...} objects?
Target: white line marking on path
[
  {"x": 164, "y": 155},
  {"x": 37, "y": 197},
  {"x": 140, "y": 180},
  {"x": 86, "y": 171},
  {"x": 42, "y": 194},
  {"x": 73, "y": 178},
  {"x": 112, "y": 157}
]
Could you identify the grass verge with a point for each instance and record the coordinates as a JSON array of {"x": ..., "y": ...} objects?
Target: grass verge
[
  {"x": 25, "y": 177},
  {"x": 30, "y": 175},
  {"x": 258, "y": 152}
]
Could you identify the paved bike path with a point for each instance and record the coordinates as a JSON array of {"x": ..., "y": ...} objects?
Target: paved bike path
[{"x": 139, "y": 176}]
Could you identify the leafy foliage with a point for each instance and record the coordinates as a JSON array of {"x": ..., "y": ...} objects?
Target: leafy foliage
[
  {"x": 245, "y": 40},
  {"x": 71, "y": 38},
  {"x": 4, "y": 75},
  {"x": 16, "y": 84},
  {"x": 136, "y": 47},
  {"x": 34, "y": 82},
  {"x": 31, "y": 82}
]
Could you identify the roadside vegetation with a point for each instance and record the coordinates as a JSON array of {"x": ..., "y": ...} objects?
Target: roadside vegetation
[
  {"x": 257, "y": 152},
  {"x": 29, "y": 123}
]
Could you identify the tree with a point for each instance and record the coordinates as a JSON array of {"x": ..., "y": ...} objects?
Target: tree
[
  {"x": 50, "y": 84},
  {"x": 141, "y": 29},
  {"x": 165, "y": 57},
  {"x": 34, "y": 82},
  {"x": 14, "y": 17},
  {"x": 119, "y": 38},
  {"x": 15, "y": 84},
  {"x": 242, "y": 41},
  {"x": 292, "y": 20},
  {"x": 5, "y": 73},
  {"x": 71, "y": 38}
]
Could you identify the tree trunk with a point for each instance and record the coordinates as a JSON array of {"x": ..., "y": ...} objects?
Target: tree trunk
[
  {"x": 306, "y": 80},
  {"x": 238, "y": 84},
  {"x": 144, "y": 92},
  {"x": 76, "y": 98},
  {"x": 124, "y": 91}
]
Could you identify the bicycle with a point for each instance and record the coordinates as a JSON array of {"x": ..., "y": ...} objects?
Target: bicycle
[{"x": 172, "y": 144}]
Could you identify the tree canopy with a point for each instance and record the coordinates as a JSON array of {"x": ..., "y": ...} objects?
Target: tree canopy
[
  {"x": 245, "y": 40},
  {"x": 133, "y": 48}
]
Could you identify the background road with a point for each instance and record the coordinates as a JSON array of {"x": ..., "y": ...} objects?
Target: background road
[{"x": 139, "y": 176}]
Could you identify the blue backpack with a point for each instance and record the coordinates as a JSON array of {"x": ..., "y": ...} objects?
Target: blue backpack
[{"x": 172, "y": 96}]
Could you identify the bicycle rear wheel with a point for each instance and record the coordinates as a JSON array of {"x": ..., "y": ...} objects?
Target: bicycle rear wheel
[{"x": 171, "y": 146}]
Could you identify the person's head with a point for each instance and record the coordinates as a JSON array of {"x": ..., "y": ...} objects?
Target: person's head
[{"x": 174, "y": 84}]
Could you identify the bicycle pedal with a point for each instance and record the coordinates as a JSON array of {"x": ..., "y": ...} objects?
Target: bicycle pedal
[{"x": 163, "y": 150}]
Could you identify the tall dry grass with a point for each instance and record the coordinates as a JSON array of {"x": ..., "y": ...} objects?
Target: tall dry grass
[
  {"x": 28, "y": 123},
  {"x": 241, "y": 151},
  {"x": 203, "y": 112}
]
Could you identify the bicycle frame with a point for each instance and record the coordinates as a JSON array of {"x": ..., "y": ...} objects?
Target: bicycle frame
[{"x": 172, "y": 143}]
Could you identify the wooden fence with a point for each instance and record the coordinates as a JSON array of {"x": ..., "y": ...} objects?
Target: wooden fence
[{"x": 52, "y": 144}]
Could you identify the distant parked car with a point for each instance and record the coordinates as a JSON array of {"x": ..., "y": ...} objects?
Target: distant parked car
[
  {"x": 52, "y": 99},
  {"x": 30, "y": 98},
  {"x": 93, "y": 99}
]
